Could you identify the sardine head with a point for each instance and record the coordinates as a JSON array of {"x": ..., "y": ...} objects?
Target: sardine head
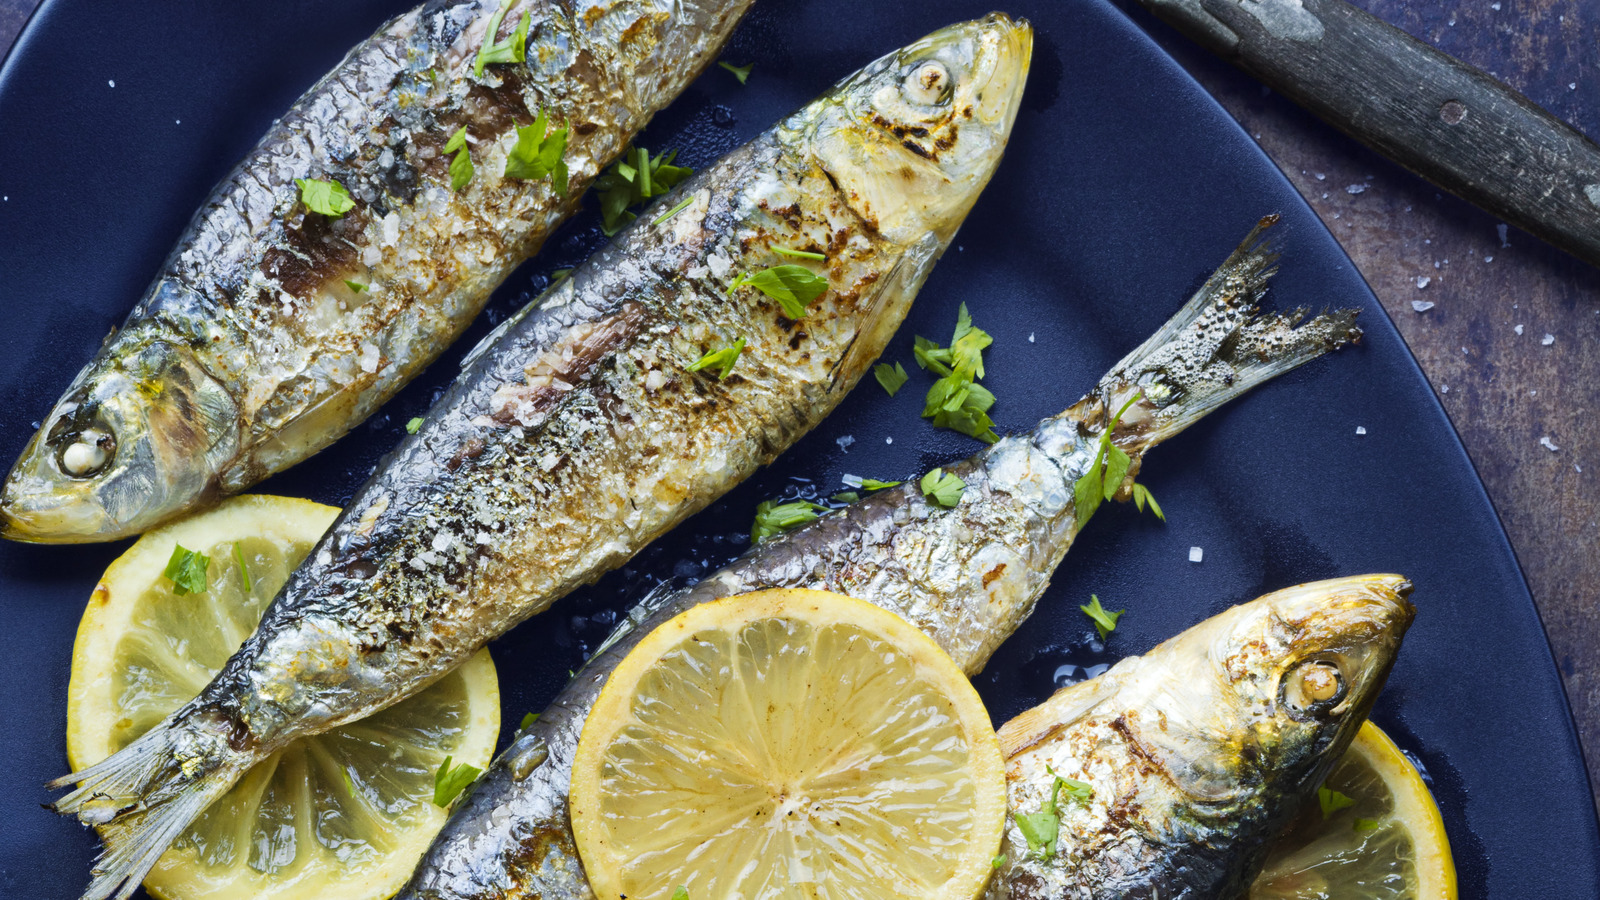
[
  {"x": 138, "y": 438},
  {"x": 912, "y": 138}
]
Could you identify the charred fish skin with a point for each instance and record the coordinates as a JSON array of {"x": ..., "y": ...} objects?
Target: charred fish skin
[
  {"x": 967, "y": 576},
  {"x": 252, "y": 350},
  {"x": 576, "y": 432},
  {"x": 1199, "y": 752}
]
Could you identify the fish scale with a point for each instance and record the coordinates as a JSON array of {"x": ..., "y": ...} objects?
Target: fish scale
[
  {"x": 250, "y": 319},
  {"x": 576, "y": 434}
]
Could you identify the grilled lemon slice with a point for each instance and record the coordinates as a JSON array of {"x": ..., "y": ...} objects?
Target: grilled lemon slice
[
  {"x": 788, "y": 743},
  {"x": 345, "y": 814},
  {"x": 1389, "y": 844}
]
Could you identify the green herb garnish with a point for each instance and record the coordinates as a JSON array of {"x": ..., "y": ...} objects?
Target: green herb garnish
[
  {"x": 449, "y": 782},
  {"x": 798, "y": 254},
  {"x": 187, "y": 571},
  {"x": 682, "y": 893},
  {"x": 537, "y": 153},
  {"x": 956, "y": 401},
  {"x": 633, "y": 179},
  {"x": 740, "y": 72},
  {"x": 512, "y": 49},
  {"x": 868, "y": 484},
  {"x": 1041, "y": 829},
  {"x": 943, "y": 488},
  {"x": 845, "y": 497},
  {"x": 794, "y": 287},
  {"x": 1332, "y": 801},
  {"x": 722, "y": 360},
  {"x": 461, "y": 168},
  {"x": 244, "y": 571},
  {"x": 349, "y": 783},
  {"x": 682, "y": 205},
  {"x": 1367, "y": 825},
  {"x": 776, "y": 518},
  {"x": 1105, "y": 475},
  {"x": 356, "y": 286},
  {"x": 1105, "y": 621},
  {"x": 328, "y": 198},
  {"x": 998, "y": 861},
  {"x": 414, "y": 425},
  {"x": 527, "y": 720},
  {"x": 893, "y": 378},
  {"x": 557, "y": 275}
]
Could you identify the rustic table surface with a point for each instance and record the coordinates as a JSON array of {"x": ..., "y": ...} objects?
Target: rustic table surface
[{"x": 1506, "y": 329}]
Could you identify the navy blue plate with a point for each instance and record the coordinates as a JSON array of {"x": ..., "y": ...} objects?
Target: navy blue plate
[{"x": 1125, "y": 185}]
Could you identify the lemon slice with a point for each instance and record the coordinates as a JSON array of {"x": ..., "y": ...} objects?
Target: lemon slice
[
  {"x": 788, "y": 743},
  {"x": 344, "y": 814},
  {"x": 1388, "y": 845}
]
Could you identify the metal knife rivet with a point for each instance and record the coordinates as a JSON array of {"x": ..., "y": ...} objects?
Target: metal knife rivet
[{"x": 1452, "y": 112}]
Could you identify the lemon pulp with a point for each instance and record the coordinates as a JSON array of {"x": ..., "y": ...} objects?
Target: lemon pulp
[
  {"x": 788, "y": 743},
  {"x": 347, "y": 813},
  {"x": 1389, "y": 844}
]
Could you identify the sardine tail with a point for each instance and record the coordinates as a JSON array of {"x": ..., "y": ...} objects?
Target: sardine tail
[
  {"x": 141, "y": 798},
  {"x": 1218, "y": 347}
]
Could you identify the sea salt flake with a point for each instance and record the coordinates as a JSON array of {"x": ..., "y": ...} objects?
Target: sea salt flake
[
  {"x": 1422, "y": 305},
  {"x": 1517, "y": 329},
  {"x": 1030, "y": 337},
  {"x": 442, "y": 541},
  {"x": 888, "y": 440},
  {"x": 1444, "y": 388},
  {"x": 1355, "y": 189},
  {"x": 1548, "y": 339},
  {"x": 1321, "y": 177},
  {"x": 1361, "y": 429},
  {"x": 1423, "y": 281},
  {"x": 1196, "y": 554},
  {"x": 112, "y": 82},
  {"x": 844, "y": 443},
  {"x": 1548, "y": 444},
  {"x": 1488, "y": 259}
]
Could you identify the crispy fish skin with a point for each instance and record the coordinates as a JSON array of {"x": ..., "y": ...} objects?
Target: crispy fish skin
[
  {"x": 576, "y": 433},
  {"x": 1199, "y": 752},
  {"x": 250, "y": 352},
  {"x": 967, "y": 576}
]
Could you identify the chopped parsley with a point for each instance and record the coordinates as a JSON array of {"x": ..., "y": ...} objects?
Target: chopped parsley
[
  {"x": 512, "y": 49},
  {"x": 244, "y": 570},
  {"x": 1104, "y": 620},
  {"x": 794, "y": 287},
  {"x": 868, "y": 484},
  {"x": 845, "y": 497},
  {"x": 943, "y": 488},
  {"x": 414, "y": 425},
  {"x": 1105, "y": 475},
  {"x": 1332, "y": 801},
  {"x": 893, "y": 378},
  {"x": 776, "y": 518},
  {"x": 356, "y": 286},
  {"x": 187, "y": 570},
  {"x": 633, "y": 179},
  {"x": 740, "y": 72},
  {"x": 956, "y": 401},
  {"x": 997, "y": 862},
  {"x": 537, "y": 153},
  {"x": 798, "y": 254},
  {"x": 721, "y": 360},
  {"x": 527, "y": 720},
  {"x": 1367, "y": 825},
  {"x": 558, "y": 275},
  {"x": 328, "y": 198},
  {"x": 682, "y": 893},
  {"x": 682, "y": 205},
  {"x": 1043, "y": 828},
  {"x": 450, "y": 781},
  {"x": 461, "y": 166}
]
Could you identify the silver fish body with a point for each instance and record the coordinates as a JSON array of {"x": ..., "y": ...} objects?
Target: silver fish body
[
  {"x": 252, "y": 350},
  {"x": 967, "y": 576},
  {"x": 1198, "y": 753},
  {"x": 577, "y": 433}
]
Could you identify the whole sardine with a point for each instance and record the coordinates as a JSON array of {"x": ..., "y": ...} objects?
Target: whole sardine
[
  {"x": 577, "y": 433},
  {"x": 272, "y": 330},
  {"x": 966, "y": 576},
  {"x": 1198, "y": 753}
]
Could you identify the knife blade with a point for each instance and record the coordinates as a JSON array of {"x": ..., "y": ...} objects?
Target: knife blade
[{"x": 1447, "y": 121}]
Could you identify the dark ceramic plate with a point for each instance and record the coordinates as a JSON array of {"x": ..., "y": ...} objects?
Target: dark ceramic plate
[{"x": 1125, "y": 184}]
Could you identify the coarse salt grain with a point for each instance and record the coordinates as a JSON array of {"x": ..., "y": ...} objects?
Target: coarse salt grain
[
  {"x": 1423, "y": 281},
  {"x": 1361, "y": 429},
  {"x": 1422, "y": 305},
  {"x": 1196, "y": 554},
  {"x": 1517, "y": 329},
  {"x": 1548, "y": 444},
  {"x": 1548, "y": 339}
]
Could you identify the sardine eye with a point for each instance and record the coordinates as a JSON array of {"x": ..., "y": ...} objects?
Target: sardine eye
[
  {"x": 86, "y": 455},
  {"x": 927, "y": 83},
  {"x": 1313, "y": 687}
]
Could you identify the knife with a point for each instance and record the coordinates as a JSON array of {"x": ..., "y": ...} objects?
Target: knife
[{"x": 1443, "y": 119}]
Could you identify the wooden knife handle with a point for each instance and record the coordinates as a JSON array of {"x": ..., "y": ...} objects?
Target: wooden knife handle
[{"x": 1447, "y": 121}]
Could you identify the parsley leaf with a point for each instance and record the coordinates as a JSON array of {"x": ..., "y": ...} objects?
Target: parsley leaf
[
  {"x": 527, "y": 720},
  {"x": 956, "y": 401},
  {"x": 449, "y": 782},
  {"x": 845, "y": 497},
  {"x": 414, "y": 425},
  {"x": 1332, "y": 801},
  {"x": 722, "y": 360},
  {"x": 776, "y": 518},
  {"x": 943, "y": 488},
  {"x": 537, "y": 153},
  {"x": 244, "y": 571},
  {"x": 461, "y": 168},
  {"x": 328, "y": 198},
  {"x": 794, "y": 287},
  {"x": 740, "y": 72},
  {"x": 682, "y": 893},
  {"x": 998, "y": 861},
  {"x": 1041, "y": 829},
  {"x": 356, "y": 286},
  {"x": 1105, "y": 621},
  {"x": 868, "y": 484},
  {"x": 1106, "y": 473},
  {"x": 632, "y": 179},
  {"x": 187, "y": 570},
  {"x": 512, "y": 49},
  {"x": 893, "y": 378}
]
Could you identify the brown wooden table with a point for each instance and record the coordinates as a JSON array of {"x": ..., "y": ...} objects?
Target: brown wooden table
[{"x": 1511, "y": 342}]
